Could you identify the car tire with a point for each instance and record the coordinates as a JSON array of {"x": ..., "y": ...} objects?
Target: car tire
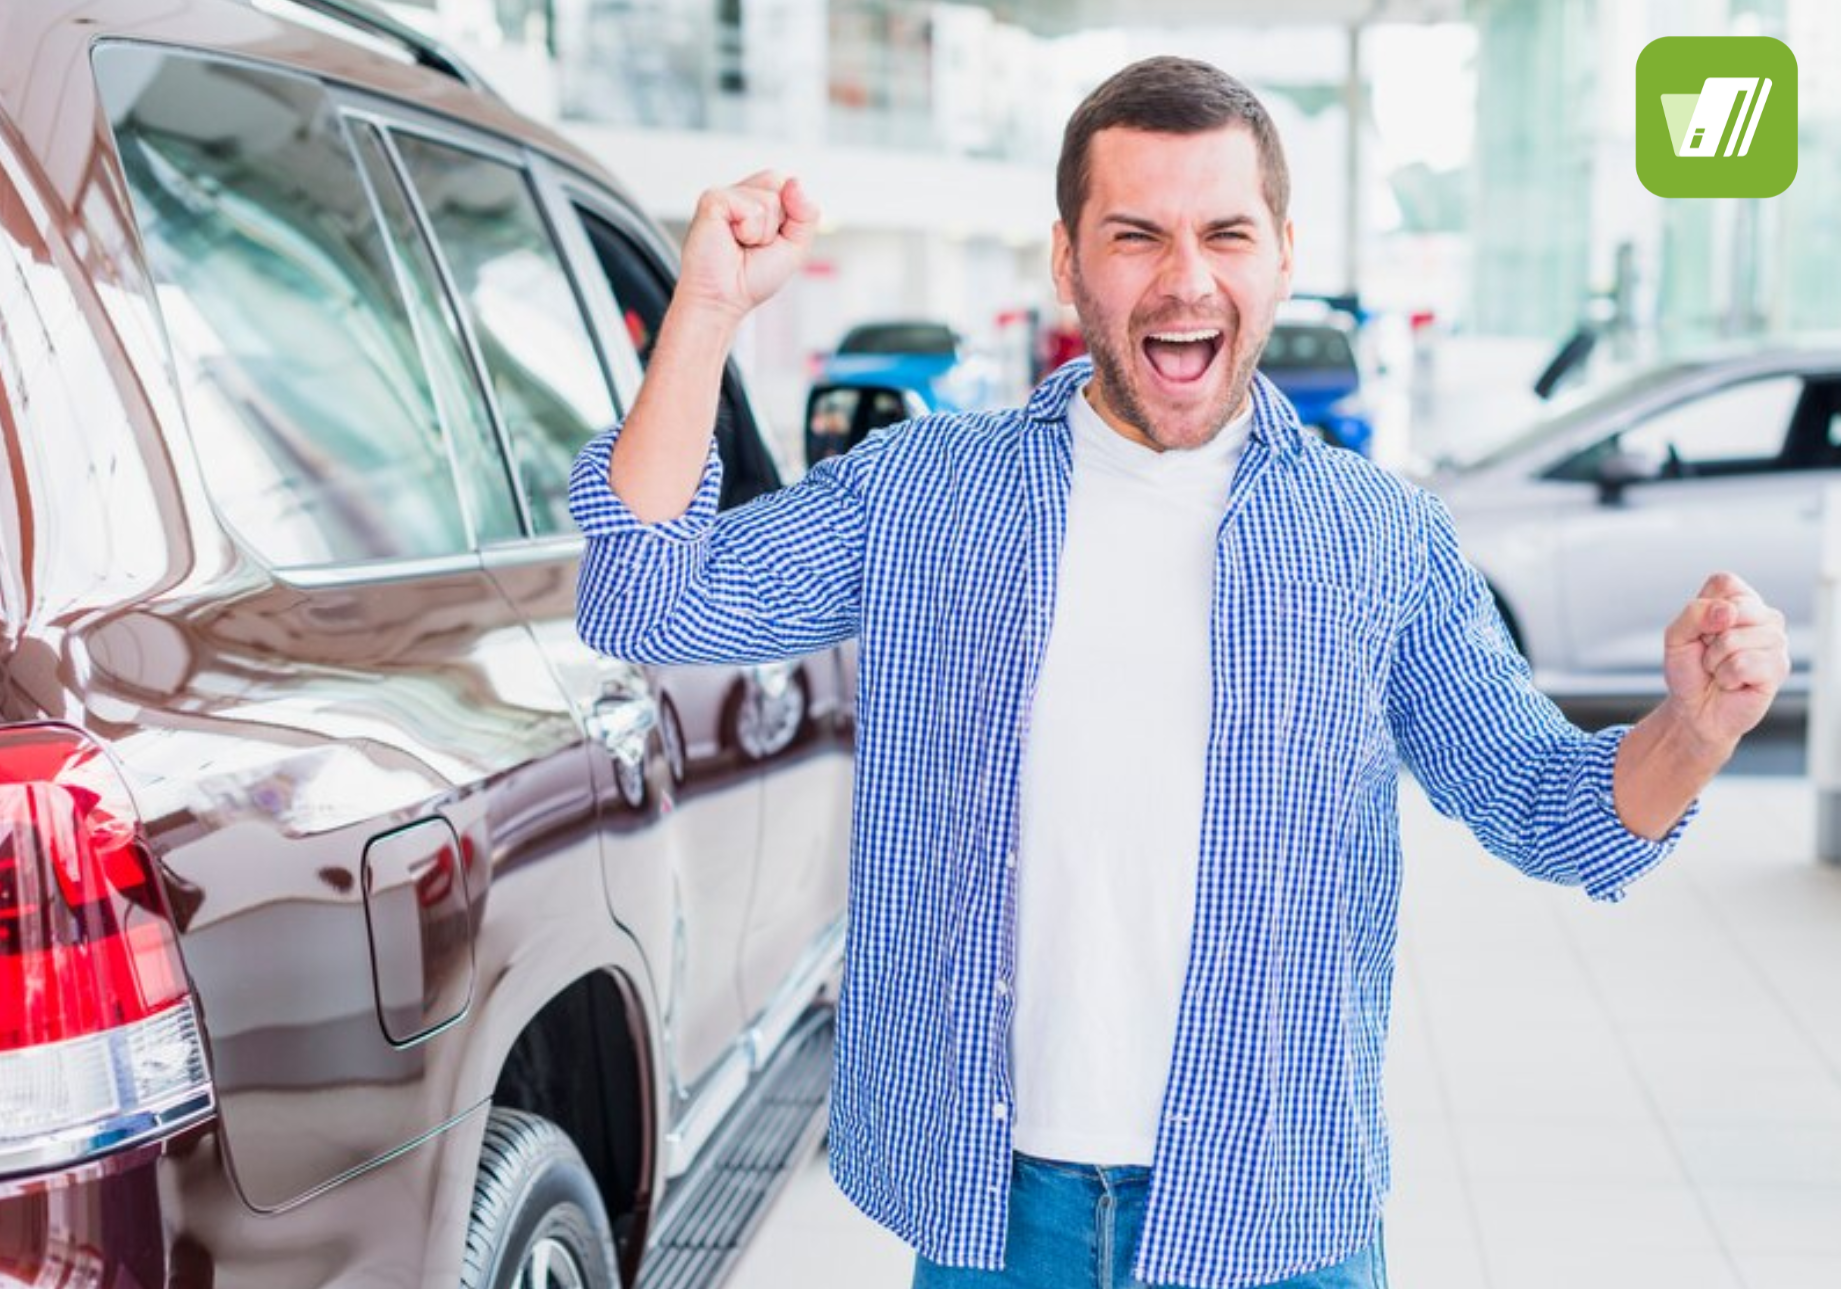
[{"x": 537, "y": 1219}]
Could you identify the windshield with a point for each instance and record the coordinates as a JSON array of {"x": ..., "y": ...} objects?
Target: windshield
[
  {"x": 1579, "y": 407},
  {"x": 1301, "y": 347},
  {"x": 899, "y": 338}
]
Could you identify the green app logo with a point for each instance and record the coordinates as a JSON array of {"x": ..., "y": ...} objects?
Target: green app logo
[{"x": 1716, "y": 116}]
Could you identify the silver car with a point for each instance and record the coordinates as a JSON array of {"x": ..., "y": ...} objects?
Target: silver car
[{"x": 1595, "y": 526}]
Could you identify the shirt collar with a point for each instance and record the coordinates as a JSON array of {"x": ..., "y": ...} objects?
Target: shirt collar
[{"x": 1275, "y": 424}]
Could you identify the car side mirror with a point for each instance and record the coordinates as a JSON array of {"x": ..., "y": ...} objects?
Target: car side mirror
[{"x": 1616, "y": 471}]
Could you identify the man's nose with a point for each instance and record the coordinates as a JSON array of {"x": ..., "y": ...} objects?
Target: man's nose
[{"x": 1186, "y": 272}]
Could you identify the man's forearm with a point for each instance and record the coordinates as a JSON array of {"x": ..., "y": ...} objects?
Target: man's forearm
[
  {"x": 1661, "y": 767},
  {"x": 659, "y": 456}
]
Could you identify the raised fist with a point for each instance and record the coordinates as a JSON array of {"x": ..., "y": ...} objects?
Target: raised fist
[{"x": 744, "y": 242}]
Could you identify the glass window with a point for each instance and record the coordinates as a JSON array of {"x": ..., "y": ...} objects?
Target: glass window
[
  {"x": 485, "y": 480},
  {"x": 303, "y": 382},
  {"x": 642, "y": 291},
  {"x": 1740, "y": 429},
  {"x": 838, "y": 417},
  {"x": 538, "y": 352},
  {"x": 900, "y": 338},
  {"x": 1295, "y": 348}
]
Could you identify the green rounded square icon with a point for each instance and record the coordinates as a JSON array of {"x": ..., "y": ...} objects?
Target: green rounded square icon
[{"x": 1716, "y": 116}]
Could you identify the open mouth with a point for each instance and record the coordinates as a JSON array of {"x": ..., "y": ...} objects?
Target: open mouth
[{"x": 1182, "y": 357}]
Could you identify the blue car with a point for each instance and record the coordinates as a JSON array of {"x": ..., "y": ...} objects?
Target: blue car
[
  {"x": 885, "y": 372},
  {"x": 1314, "y": 364},
  {"x": 929, "y": 358}
]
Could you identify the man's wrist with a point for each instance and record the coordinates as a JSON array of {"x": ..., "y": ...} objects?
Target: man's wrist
[
  {"x": 1680, "y": 735},
  {"x": 706, "y": 320}
]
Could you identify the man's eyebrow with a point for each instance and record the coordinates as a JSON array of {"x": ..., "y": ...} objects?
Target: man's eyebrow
[{"x": 1152, "y": 226}]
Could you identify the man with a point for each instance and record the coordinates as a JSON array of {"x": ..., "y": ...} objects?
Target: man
[{"x": 1139, "y": 664}]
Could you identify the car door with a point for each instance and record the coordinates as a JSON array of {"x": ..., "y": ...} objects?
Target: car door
[
  {"x": 349, "y": 749},
  {"x": 681, "y": 829},
  {"x": 788, "y": 723},
  {"x": 1734, "y": 481}
]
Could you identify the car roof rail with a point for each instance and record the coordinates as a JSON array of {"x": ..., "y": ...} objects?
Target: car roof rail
[{"x": 424, "y": 49}]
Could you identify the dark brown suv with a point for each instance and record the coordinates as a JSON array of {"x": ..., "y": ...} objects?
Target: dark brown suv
[{"x": 358, "y": 925}]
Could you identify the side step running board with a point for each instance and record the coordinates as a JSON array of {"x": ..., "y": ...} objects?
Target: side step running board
[{"x": 715, "y": 1207}]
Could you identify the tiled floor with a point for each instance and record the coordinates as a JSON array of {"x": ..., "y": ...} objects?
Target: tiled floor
[{"x": 1582, "y": 1097}]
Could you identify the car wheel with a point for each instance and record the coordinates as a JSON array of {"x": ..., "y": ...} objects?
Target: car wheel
[
  {"x": 671, "y": 735},
  {"x": 537, "y": 1221}
]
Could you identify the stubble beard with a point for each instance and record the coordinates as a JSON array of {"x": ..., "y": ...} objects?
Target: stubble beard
[{"x": 1112, "y": 373}]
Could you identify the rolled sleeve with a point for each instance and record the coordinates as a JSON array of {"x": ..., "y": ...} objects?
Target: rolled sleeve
[
  {"x": 1610, "y": 855},
  {"x": 599, "y": 512},
  {"x": 1489, "y": 748}
]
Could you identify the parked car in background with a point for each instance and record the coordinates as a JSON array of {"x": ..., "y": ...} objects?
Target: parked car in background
[
  {"x": 1594, "y": 526},
  {"x": 929, "y": 358},
  {"x": 358, "y": 924},
  {"x": 1312, "y": 360},
  {"x": 884, "y": 372}
]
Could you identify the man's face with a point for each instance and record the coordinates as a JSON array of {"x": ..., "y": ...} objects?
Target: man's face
[{"x": 1176, "y": 271}]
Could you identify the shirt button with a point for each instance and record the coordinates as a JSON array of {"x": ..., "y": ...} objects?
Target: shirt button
[
  {"x": 1000, "y": 1111},
  {"x": 1003, "y": 989},
  {"x": 1010, "y": 859}
]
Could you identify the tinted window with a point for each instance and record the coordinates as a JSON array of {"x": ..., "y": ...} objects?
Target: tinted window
[
  {"x": 485, "y": 481},
  {"x": 538, "y": 352},
  {"x": 1305, "y": 348},
  {"x": 304, "y": 385},
  {"x": 899, "y": 338},
  {"x": 641, "y": 292}
]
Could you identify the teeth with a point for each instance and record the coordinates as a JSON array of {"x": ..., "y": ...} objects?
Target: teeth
[{"x": 1184, "y": 337}]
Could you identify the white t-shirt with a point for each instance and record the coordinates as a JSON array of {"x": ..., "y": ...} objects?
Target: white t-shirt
[{"x": 1112, "y": 794}]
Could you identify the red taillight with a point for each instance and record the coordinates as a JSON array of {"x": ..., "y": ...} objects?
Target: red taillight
[
  {"x": 86, "y": 943},
  {"x": 90, "y": 975}
]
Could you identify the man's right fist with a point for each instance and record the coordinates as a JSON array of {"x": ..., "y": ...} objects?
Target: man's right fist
[{"x": 744, "y": 242}]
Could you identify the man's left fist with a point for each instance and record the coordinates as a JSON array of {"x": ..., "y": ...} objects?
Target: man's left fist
[{"x": 1724, "y": 659}]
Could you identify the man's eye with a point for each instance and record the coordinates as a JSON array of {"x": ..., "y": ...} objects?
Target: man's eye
[{"x": 1129, "y": 235}]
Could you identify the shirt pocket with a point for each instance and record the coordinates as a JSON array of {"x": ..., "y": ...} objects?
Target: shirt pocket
[{"x": 1331, "y": 646}]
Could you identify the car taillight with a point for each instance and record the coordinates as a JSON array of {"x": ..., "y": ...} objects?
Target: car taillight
[{"x": 99, "y": 1046}]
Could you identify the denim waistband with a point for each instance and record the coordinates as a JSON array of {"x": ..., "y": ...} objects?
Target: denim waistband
[{"x": 1103, "y": 1176}]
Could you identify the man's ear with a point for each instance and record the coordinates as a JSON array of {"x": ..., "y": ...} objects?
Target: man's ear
[
  {"x": 1285, "y": 249},
  {"x": 1061, "y": 263}
]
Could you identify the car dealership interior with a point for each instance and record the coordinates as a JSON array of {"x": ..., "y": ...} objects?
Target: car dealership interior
[
  {"x": 337, "y": 290},
  {"x": 1579, "y": 1096}
]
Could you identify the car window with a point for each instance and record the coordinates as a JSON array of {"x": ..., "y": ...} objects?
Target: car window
[
  {"x": 1292, "y": 347},
  {"x": 539, "y": 355},
  {"x": 303, "y": 381},
  {"x": 900, "y": 338},
  {"x": 1739, "y": 429},
  {"x": 838, "y": 417},
  {"x": 642, "y": 290},
  {"x": 484, "y": 475}
]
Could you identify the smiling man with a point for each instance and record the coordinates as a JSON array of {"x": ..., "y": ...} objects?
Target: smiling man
[{"x": 1140, "y": 664}]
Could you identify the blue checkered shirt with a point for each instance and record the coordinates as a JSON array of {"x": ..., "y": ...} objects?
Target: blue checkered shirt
[{"x": 1349, "y": 638}]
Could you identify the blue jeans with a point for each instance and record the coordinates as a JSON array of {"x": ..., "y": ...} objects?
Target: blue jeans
[{"x": 1076, "y": 1226}]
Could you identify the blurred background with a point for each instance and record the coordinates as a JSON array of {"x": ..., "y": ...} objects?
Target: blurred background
[
  {"x": 1463, "y": 167},
  {"x": 1615, "y": 393}
]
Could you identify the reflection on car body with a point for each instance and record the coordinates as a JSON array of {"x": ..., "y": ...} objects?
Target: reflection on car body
[{"x": 323, "y": 831}]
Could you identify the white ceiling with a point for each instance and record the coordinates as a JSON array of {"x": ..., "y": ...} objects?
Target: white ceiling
[{"x": 1060, "y": 17}]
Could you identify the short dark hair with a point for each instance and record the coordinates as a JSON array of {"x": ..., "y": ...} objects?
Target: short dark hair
[{"x": 1168, "y": 95}]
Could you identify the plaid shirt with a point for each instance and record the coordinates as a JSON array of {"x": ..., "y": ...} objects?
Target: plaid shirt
[{"x": 1349, "y": 637}]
